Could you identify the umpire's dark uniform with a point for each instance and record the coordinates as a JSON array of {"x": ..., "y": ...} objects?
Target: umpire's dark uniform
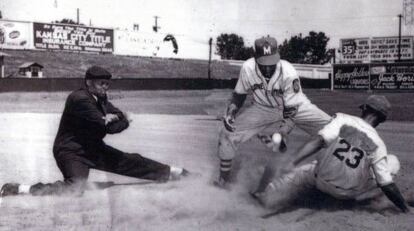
[{"x": 79, "y": 146}]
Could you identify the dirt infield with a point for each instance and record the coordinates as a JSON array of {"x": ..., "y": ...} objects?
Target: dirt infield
[{"x": 178, "y": 128}]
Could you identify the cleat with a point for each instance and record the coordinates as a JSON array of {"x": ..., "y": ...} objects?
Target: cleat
[
  {"x": 185, "y": 172},
  {"x": 222, "y": 184},
  {"x": 258, "y": 197},
  {"x": 9, "y": 189}
]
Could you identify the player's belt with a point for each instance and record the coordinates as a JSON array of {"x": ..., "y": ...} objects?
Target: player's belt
[
  {"x": 269, "y": 106},
  {"x": 338, "y": 187}
]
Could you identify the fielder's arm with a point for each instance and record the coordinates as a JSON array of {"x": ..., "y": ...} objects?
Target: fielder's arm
[{"x": 236, "y": 103}]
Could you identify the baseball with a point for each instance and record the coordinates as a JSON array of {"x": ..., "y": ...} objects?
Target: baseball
[{"x": 277, "y": 138}]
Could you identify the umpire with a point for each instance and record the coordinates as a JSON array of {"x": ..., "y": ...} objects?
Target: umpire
[{"x": 87, "y": 118}]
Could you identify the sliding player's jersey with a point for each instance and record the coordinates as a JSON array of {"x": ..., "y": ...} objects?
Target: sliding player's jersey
[
  {"x": 282, "y": 89},
  {"x": 354, "y": 146}
]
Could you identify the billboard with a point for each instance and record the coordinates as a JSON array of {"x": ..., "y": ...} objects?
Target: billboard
[
  {"x": 137, "y": 43},
  {"x": 387, "y": 76},
  {"x": 375, "y": 49},
  {"x": 398, "y": 76},
  {"x": 155, "y": 45},
  {"x": 72, "y": 37},
  {"x": 15, "y": 35},
  {"x": 355, "y": 76}
]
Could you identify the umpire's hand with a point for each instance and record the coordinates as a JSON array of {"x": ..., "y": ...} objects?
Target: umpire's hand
[{"x": 110, "y": 118}]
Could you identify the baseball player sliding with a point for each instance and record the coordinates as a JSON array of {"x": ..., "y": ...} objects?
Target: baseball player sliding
[
  {"x": 353, "y": 166},
  {"x": 277, "y": 101}
]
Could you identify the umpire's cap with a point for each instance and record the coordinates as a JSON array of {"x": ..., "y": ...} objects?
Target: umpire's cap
[
  {"x": 266, "y": 51},
  {"x": 96, "y": 72},
  {"x": 379, "y": 103}
]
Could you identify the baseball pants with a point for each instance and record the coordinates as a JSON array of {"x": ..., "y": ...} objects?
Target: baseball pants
[
  {"x": 310, "y": 118},
  {"x": 282, "y": 190},
  {"x": 248, "y": 122},
  {"x": 75, "y": 169}
]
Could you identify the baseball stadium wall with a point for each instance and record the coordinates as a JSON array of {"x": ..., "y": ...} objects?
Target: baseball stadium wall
[{"x": 68, "y": 84}]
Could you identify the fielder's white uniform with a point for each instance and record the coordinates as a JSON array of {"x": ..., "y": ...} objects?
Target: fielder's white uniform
[
  {"x": 354, "y": 164},
  {"x": 269, "y": 98}
]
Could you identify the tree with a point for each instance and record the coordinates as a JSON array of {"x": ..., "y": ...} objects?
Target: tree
[
  {"x": 244, "y": 53},
  {"x": 231, "y": 46},
  {"x": 316, "y": 52},
  {"x": 310, "y": 49},
  {"x": 293, "y": 50}
]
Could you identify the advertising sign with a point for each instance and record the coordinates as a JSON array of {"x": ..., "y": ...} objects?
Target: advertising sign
[
  {"x": 137, "y": 43},
  {"x": 398, "y": 76},
  {"x": 15, "y": 35},
  {"x": 355, "y": 76},
  {"x": 73, "y": 38},
  {"x": 376, "y": 49}
]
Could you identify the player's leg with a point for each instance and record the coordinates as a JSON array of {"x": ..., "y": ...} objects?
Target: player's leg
[
  {"x": 249, "y": 122},
  {"x": 135, "y": 165},
  {"x": 282, "y": 190},
  {"x": 311, "y": 119},
  {"x": 284, "y": 128}
]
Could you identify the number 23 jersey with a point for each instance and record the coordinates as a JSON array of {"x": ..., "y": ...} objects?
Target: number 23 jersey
[{"x": 353, "y": 147}]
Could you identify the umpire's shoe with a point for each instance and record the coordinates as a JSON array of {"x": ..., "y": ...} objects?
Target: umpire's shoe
[
  {"x": 178, "y": 173},
  {"x": 9, "y": 189}
]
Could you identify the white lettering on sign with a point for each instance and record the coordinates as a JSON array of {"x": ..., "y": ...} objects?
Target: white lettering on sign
[{"x": 377, "y": 49}]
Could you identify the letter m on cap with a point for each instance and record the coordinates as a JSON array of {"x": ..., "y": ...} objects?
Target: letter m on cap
[{"x": 267, "y": 50}]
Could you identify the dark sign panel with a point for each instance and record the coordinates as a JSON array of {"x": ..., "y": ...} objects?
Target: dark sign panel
[
  {"x": 73, "y": 38},
  {"x": 351, "y": 76},
  {"x": 398, "y": 76}
]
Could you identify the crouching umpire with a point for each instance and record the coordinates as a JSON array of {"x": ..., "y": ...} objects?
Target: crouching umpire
[{"x": 88, "y": 116}]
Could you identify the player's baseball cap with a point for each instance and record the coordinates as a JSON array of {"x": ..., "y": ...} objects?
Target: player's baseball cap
[
  {"x": 96, "y": 72},
  {"x": 378, "y": 103},
  {"x": 266, "y": 51}
]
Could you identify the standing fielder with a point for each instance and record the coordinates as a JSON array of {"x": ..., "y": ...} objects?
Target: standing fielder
[
  {"x": 353, "y": 166},
  {"x": 277, "y": 95},
  {"x": 87, "y": 118}
]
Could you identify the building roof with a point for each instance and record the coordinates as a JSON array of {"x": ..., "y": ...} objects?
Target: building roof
[{"x": 30, "y": 64}]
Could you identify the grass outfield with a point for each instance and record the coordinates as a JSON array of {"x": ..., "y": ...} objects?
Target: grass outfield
[
  {"x": 73, "y": 65},
  {"x": 201, "y": 102}
]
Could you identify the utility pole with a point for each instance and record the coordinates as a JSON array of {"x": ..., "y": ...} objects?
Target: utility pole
[
  {"x": 156, "y": 27},
  {"x": 399, "y": 37},
  {"x": 77, "y": 16},
  {"x": 210, "y": 43}
]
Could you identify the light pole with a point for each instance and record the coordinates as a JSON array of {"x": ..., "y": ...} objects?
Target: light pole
[{"x": 399, "y": 37}]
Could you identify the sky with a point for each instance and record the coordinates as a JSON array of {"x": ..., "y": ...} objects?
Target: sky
[{"x": 201, "y": 19}]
